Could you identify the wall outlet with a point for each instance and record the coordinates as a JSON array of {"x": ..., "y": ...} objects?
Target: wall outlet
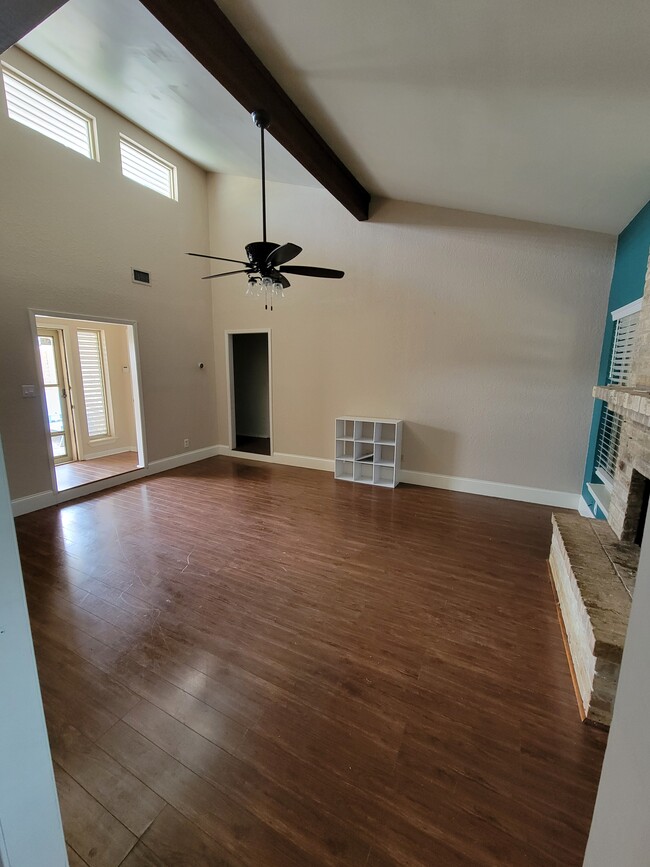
[{"x": 186, "y": 444}]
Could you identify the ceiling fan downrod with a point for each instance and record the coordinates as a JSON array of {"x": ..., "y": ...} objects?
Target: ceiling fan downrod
[
  {"x": 261, "y": 119},
  {"x": 266, "y": 267}
]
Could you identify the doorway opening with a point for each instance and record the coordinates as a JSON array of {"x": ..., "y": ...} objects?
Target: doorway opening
[
  {"x": 249, "y": 366},
  {"x": 91, "y": 398}
]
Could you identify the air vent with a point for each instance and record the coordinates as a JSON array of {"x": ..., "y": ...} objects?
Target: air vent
[{"x": 141, "y": 277}]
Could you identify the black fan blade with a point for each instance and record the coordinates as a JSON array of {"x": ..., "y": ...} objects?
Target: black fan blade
[
  {"x": 226, "y": 273},
  {"x": 283, "y": 254},
  {"x": 280, "y": 278},
  {"x": 307, "y": 271},
  {"x": 220, "y": 258}
]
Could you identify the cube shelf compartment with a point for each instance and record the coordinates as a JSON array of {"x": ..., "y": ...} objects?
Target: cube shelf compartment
[
  {"x": 345, "y": 449},
  {"x": 368, "y": 450},
  {"x": 344, "y": 429},
  {"x": 363, "y": 473},
  {"x": 344, "y": 470}
]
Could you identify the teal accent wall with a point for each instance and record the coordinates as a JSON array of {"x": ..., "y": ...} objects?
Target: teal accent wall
[{"x": 627, "y": 285}]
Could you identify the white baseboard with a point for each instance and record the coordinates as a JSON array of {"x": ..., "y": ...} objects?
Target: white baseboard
[
  {"x": 231, "y": 453},
  {"x": 23, "y": 505},
  {"x": 170, "y": 463},
  {"x": 325, "y": 464},
  {"x": 100, "y": 485},
  {"x": 32, "y": 503},
  {"x": 522, "y": 494},
  {"x": 107, "y": 454},
  {"x": 541, "y": 496},
  {"x": 306, "y": 462},
  {"x": 561, "y": 499}
]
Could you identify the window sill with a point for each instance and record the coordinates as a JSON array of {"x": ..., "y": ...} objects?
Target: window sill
[{"x": 601, "y": 495}]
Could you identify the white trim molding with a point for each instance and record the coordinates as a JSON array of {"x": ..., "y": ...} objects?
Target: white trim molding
[
  {"x": 627, "y": 309},
  {"x": 109, "y": 452},
  {"x": 23, "y": 505},
  {"x": 170, "y": 463},
  {"x": 230, "y": 378},
  {"x": 584, "y": 509},
  {"x": 307, "y": 463},
  {"x": 541, "y": 496},
  {"x": 32, "y": 503},
  {"x": 520, "y": 493},
  {"x": 602, "y": 496}
]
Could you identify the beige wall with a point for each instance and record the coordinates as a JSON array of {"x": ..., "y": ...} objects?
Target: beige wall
[
  {"x": 120, "y": 393},
  {"x": 71, "y": 229},
  {"x": 482, "y": 333}
]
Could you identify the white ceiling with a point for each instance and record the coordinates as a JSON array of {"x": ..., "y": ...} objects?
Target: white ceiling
[
  {"x": 120, "y": 53},
  {"x": 527, "y": 109}
]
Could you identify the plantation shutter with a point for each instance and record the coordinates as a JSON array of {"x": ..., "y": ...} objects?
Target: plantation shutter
[
  {"x": 34, "y": 107},
  {"x": 619, "y": 369},
  {"x": 94, "y": 383},
  {"x": 146, "y": 168},
  {"x": 609, "y": 432}
]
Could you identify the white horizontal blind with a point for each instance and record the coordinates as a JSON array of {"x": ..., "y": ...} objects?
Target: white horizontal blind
[
  {"x": 46, "y": 113},
  {"x": 146, "y": 168},
  {"x": 94, "y": 382},
  {"x": 609, "y": 432},
  {"x": 619, "y": 369},
  {"x": 609, "y": 439}
]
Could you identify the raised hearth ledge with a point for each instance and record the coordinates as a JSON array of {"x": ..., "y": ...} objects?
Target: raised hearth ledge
[
  {"x": 631, "y": 403},
  {"x": 594, "y": 605}
]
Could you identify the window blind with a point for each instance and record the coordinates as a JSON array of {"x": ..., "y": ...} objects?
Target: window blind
[
  {"x": 44, "y": 112},
  {"x": 93, "y": 382},
  {"x": 146, "y": 168},
  {"x": 609, "y": 431},
  {"x": 619, "y": 369}
]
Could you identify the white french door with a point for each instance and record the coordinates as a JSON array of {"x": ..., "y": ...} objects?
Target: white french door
[{"x": 51, "y": 350}]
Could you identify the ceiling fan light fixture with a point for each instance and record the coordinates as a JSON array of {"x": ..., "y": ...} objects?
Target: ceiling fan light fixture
[
  {"x": 255, "y": 287},
  {"x": 266, "y": 268}
]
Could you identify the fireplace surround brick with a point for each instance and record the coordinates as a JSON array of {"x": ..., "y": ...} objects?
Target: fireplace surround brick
[
  {"x": 594, "y": 563},
  {"x": 586, "y": 562}
]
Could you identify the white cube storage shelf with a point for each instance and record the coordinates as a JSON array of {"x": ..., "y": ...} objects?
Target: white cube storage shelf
[{"x": 368, "y": 450}]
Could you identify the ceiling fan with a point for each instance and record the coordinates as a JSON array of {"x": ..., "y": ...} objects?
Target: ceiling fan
[{"x": 266, "y": 266}]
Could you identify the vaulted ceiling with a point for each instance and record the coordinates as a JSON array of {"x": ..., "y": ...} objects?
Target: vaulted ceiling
[{"x": 519, "y": 108}]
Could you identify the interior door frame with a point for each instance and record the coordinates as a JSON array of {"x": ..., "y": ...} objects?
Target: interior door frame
[
  {"x": 136, "y": 379},
  {"x": 230, "y": 379}
]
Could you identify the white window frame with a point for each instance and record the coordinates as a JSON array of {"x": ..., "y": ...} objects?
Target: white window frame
[
  {"x": 627, "y": 309},
  {"x": 634, "y": 307},
  {"x": 40, "y": 89},
  {"x": 171, "y": 168}
]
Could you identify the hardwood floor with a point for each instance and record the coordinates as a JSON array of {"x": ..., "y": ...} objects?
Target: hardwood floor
[
  {"x": 82, "y": 472},
  {"x": 252, "y": 665}
]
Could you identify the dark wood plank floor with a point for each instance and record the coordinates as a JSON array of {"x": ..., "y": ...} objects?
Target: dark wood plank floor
[
  {"x": 248, "y": 664},
  {"x": 77, "y": 473}
]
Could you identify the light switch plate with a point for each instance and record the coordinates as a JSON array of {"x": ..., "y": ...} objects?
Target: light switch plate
[{"x": 29, "y": 391}]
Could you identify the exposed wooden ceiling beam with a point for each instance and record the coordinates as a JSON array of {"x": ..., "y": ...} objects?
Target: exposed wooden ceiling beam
[
  {"x": 210, "y": 37},
  {"x": 18, "y": 17}
]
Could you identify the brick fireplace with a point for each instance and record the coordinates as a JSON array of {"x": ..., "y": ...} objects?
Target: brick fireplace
[{"x": 593, "y": 563}]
